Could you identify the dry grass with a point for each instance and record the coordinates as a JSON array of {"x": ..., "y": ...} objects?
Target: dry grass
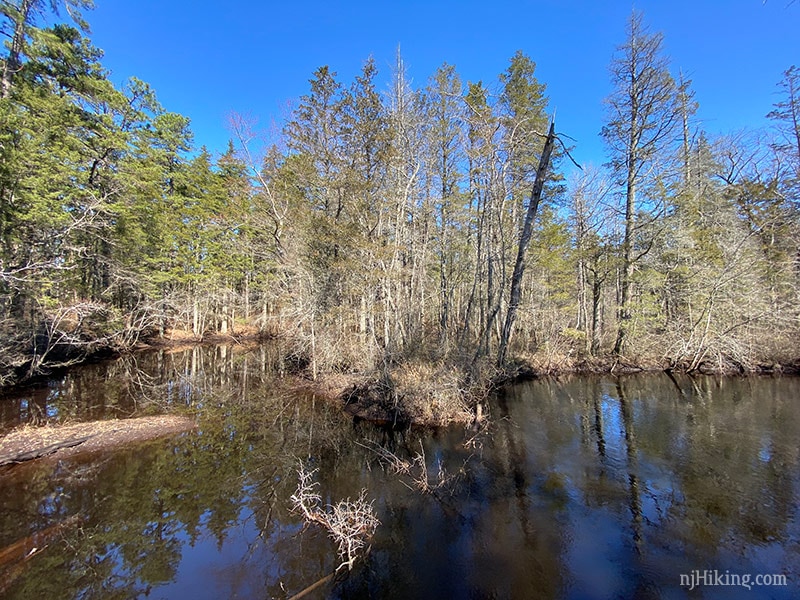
[
  {"x": 430, "y": 394},
  {"x": 411, "y": 393}
]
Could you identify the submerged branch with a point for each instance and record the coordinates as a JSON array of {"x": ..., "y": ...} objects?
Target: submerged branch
[{"x": 350, "y": 523}]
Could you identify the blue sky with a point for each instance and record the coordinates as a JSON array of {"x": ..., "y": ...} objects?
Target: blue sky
[{"x": 206, "y": 59}]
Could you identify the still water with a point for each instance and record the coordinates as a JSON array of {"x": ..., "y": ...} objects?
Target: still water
[{"x": 584, "y": 487}]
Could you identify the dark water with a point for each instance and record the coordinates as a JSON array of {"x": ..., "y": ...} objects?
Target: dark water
[{"x": 580, "y": 488}]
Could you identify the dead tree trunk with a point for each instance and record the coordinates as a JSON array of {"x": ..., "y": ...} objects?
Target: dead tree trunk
[
  {"x": 524, "y": 240},
  {"x": 19, "y": 17}
]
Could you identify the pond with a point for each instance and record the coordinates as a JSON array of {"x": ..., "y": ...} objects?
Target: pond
[{"x": 580, "y": 487}]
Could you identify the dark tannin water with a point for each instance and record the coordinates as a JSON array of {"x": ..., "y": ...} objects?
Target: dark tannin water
[{"x": 632, "y": 487}]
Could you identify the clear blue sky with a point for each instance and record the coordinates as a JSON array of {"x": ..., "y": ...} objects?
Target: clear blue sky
[{"x": 206, "y": 59}]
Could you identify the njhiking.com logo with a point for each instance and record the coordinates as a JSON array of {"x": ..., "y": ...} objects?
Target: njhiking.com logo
[{"x": 715, "y": 578}]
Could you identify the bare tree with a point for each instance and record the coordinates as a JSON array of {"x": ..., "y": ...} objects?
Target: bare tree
[
  {"x": 644, "y": 113},
  {"x": 591, "y": 220},
  {"x": 787, "y": 119}
]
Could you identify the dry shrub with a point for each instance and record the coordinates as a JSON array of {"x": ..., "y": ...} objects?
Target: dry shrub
[
  {"x": 431, "y": 394},
  {"x": 411, "y": 393},
  {"x": 329, "y": 351}
]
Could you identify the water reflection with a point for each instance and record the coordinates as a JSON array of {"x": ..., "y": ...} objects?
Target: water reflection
[{"x": 582, "y": 488}]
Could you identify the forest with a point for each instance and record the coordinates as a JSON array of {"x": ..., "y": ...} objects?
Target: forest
[{"x": 392, "y": 232}]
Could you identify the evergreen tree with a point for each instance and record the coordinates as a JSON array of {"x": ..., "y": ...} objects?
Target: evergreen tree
[{"x": 17, "y": 22}]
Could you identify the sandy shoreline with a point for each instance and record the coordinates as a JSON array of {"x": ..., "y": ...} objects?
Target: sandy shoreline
[{"x": 24, "y": 443}]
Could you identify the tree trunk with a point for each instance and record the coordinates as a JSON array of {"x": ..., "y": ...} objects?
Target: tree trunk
[
  {"x": 594, "y": 347},
  {"x": 223, "y": 326},
  {"x": 13, "y": 62},
  {"x": 524, "y": 240},
  {"x": 195, "y": 317},
  {"x": 624, "y": 313}
]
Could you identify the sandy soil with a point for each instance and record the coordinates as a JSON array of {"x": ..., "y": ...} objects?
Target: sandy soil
[{"x": 101, "y": 435}]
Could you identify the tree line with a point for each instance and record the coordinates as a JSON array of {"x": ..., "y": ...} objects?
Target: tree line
[{"x": 385, "y": 226}]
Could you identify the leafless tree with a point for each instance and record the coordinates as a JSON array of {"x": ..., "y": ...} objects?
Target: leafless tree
[{"x": 644, "y": 113}]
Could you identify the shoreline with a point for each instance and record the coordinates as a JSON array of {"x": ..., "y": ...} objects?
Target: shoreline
[
  {"x": 423, "y": 392},
  {"x": 528, "y": 366},
  {"x": 27, "y": 443},
  {"x": 418, "y": 394}
]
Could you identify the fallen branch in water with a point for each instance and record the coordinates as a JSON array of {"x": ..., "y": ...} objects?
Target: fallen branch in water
[
  {"x": 350, "y": 523},
  {"x": 313, "y": 586},
  {"x": 14, "y": 556},
  {"x": 416, "y": 470}
]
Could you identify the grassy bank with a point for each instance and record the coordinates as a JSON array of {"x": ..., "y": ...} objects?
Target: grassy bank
[{"x": 426, "y": 386}]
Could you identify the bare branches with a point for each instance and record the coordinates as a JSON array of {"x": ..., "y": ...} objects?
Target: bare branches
[
  {"x": 350, "y": 523},
  {"x": 416, "y": 469},
  {"x": 644, "y": 108},
  {"x": 276, "y": 208}
]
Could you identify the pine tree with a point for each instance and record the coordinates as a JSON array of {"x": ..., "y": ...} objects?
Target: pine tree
[{"x": 18, "y": 18}]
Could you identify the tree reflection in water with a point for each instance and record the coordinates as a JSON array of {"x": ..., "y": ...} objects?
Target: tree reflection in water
[{"x": 583, "y": 487}]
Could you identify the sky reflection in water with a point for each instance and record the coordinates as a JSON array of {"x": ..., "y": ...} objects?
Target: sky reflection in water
[{"x": 581, "y": 488}]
